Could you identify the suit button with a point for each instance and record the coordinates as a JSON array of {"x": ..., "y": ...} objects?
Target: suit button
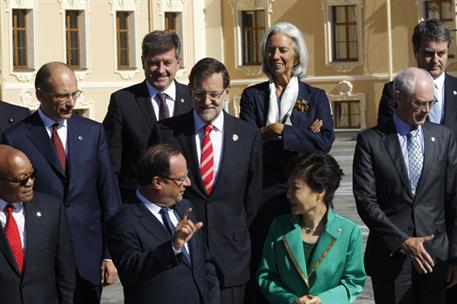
[{"x": 410, "y": 228}]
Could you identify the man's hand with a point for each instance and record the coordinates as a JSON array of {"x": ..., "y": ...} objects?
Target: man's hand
[
  {"x": 451, "y": 275},
  {"x": 185, "y": 229},
  {"x": 414, "y": 247},
  {"x": 109, "y": 273},
  {"x": 272, "y": 131},
  {"x": 316, "y": 126}
]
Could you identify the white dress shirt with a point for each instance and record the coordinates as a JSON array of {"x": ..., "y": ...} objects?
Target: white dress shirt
[
  {"x": 216, "y": 136},
  {"x": 18, "y": 215},
  {"x": 62, "y": 130},
  {"x": 170, "y": 93},
  {"x": 437, "y": 111}
]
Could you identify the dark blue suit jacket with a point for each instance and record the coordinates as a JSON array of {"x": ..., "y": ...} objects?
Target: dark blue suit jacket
[
  {"x": 128, "y": 125},
  {"x": 297, "y": 138},
  {"x": 11, "y": 115},
  {"x": 49, "y": 273},
  {"x": 149, "y": 271},
  {"x": 88, "y": 190},
  {"x": 236, "y": 196}
]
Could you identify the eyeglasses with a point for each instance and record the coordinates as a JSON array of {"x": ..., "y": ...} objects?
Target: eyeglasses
[
  {"x": 420, "y": 103},
  {"x": 178, "y": 181},
  {"x": 201, "y": 95},
  {"x": 23, "y": 182},
  {"x": 66, "y": 96}
]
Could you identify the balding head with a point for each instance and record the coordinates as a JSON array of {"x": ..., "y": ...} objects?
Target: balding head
[
  {"x": 414, "y": 95},
  {"x": 56, "y": 88},
  {"x": 16, "y": 175}
]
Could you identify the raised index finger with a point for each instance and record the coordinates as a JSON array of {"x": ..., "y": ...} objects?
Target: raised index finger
[{"x": 185, "y": 214}]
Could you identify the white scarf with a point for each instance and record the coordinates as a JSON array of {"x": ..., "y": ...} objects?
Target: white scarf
[{"x": 288, "y": 99}]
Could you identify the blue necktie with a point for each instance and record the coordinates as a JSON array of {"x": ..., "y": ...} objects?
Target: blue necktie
[
  {"x": 415, "y": 159},
  {"x": 171, "y": 229}
]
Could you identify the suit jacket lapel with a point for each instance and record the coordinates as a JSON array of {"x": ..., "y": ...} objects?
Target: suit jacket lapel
[
  {"x": 6, "y": 251},
  {"x": 294, "y": 246},
  {"x": 144, "y": 102},
  {"x": 390, "y": 139},
  {"x": 149, "y": 221},
  {"x": 190, "y": 244},
  {"x": 40, "y": 139},
  {"x": 179, "y": 101},
  {"x": 33, "y": 222},
  {"x": 430, "y": 151}
]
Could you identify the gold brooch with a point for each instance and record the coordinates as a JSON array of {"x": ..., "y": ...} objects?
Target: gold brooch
[{"x": 301, "y": 105}]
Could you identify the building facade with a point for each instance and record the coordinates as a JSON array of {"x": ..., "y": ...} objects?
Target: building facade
[{"x": 355, "y": 46}]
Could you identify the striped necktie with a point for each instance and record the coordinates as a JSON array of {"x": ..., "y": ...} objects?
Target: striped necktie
[
  {"x": 207, "y": 160},
  {"x": 415, "y": 159}
]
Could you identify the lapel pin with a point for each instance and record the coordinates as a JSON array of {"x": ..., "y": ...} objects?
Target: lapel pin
[
  {"x": 432, "y": 139},
  {"x": 454, "y": 92},
  {"x": 11, "y": 120},
  {"x": 339, "y": 229},
  {"x": 182, "y": 99},
  {"x": 80, "y": 137},
  {"x": 235, "y": 137},
  {"x": 38, "y": 214}
]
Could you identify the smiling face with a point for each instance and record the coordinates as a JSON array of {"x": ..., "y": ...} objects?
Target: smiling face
[
  {"x": 62, "y": 82},
  {"x": 432, "y": 56},
  {"x": 281, "y": 56},
  {"x": 160, "y": 68},
  {"x": 302, "y": 198},
  {"x": 208, "y": 96}
]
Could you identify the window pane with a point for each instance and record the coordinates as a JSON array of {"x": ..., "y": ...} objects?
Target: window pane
[
  {"x": 432, "y": 10},
  {"x": 446, "y": 10},
  {"x": 340, "y": 14},
  {"x": 248, "y": 19},
  {"x": 20, "y": 18},
  {"x": 260, "y": 19},
  {"x": 74, "y": 57},
  {"x": 353, "y": 50},
  {"x": 124, "y": 58},
  {"x": 351, "y": 14},
  {"x": 352, "y": 31},
  {"x": 340, "y": 33},
  {"x": 341, "y": 50}
]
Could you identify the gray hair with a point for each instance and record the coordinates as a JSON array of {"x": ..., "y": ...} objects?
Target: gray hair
[
  {"x": 299, "y": 46},
  {"x": 161, "y": 42},
  {"x": 405, "y": 81}
]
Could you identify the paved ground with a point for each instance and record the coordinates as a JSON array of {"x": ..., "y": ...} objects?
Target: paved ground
[{"x": 343, "y": 150}]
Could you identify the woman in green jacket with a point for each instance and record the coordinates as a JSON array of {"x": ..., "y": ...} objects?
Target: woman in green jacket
[{"x": 313, "y": 255}]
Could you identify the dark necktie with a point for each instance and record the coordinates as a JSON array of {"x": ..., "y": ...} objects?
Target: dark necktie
[
  {"x": 58, "y": 146},
  {"x": 163, "y": 107},
  {"x": 207, "y": 160},
  {"x": 171, "y": 229},
  {"x": 415, "y": 159},
  {"x": 13, "y": 237}
]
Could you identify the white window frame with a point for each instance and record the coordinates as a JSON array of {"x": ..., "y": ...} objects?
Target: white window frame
[
  {"x": 237, "y": 8},
  {"x": 27, "y": 74},
  {"x": 345, "y": 93},
  {"x": 342, "y": 66}
]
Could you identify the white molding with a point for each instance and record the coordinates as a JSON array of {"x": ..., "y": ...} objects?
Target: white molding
[{"x": 342, "y": 66}]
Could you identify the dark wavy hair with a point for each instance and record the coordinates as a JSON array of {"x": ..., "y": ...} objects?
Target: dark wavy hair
[
  {"x": 155, "y": 162},
  {"x": 320, "y": 171}
]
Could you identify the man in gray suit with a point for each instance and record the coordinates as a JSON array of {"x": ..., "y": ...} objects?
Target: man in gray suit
[{"x": 404, "y": 187}]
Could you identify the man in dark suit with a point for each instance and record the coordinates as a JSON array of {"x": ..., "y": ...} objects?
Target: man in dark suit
[
  {"x": 71, "y": 160},
  {"x": 35, "y": 245},
  {"x": 133, "y": 111},
  {"x": 404, "y": 180},
  {"x": 155, "y": 241},
  {"x": 11, "y": 114},
  {"x": 225, "y": 161},
  {"x": 431, "y": 41}
]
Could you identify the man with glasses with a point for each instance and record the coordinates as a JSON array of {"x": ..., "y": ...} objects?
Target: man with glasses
[
  {"x": 404, "y": 181},
  {"x": 133, "y": 111},
  {"x": 431, "y": 40},
  {"x": 35, "y": 245},
  {"x": 71, "y": 161},
  {"x": 156, "y": 241},
  {"x": 225, "y": 167}
]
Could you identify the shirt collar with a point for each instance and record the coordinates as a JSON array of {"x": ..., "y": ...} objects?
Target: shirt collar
[
  {"x": 150, "y": 205},
  {"x": 170, "y": 91},
  {"x": 48, "y": 122},
  {"x": 218, "y": 123},
  {"x": 402, "y": 127},
  {"x": 17, "y": 205},
  {"x": 439, "y": 81}
]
